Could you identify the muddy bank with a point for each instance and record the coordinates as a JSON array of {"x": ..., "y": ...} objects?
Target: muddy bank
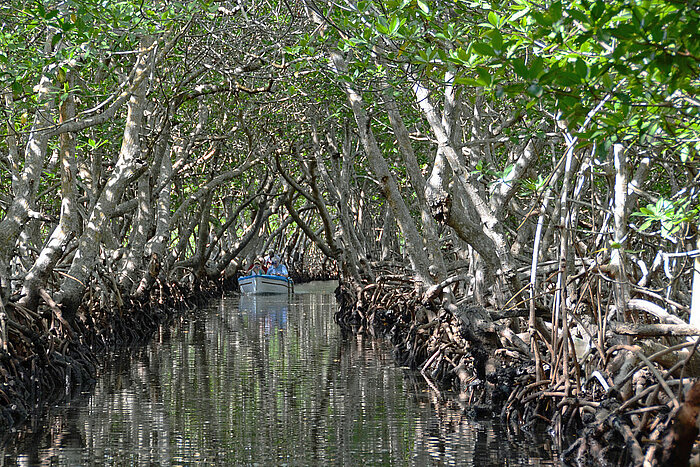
[
  {"x": 46, "y": 360},
  {"x": 634, "y": 405}
]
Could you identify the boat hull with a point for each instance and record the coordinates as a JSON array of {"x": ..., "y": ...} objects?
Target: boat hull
[{"x": 264, "y": 284}]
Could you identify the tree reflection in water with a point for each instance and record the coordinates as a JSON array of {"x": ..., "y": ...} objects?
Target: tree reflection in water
[{"x": 265, "y": 381}]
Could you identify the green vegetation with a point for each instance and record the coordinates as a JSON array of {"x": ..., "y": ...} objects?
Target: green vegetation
[{"x": 542, "y": 155}]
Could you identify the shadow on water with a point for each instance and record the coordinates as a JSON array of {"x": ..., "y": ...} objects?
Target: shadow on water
[{"x": 265, "y": 381}]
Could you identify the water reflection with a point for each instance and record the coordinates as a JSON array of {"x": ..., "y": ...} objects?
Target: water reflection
[
  {"x": 269, "y": 309},
  {"x": 264, "y": 381}
]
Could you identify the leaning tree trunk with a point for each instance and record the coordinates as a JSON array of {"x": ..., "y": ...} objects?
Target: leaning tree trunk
[
  {"x": 126, "y": 168},
  {"x": 485, "y": 235},
  {"x": 140, "y": 232},
  {"x": 431, "y": 242},
  {"x": 146, "y": 241},
  {"x": 25, "y": 184},
  {"x": 414, "y": 244},
  {"x": 339, "y": 191},
  {"x": 38, "y": 275},
  {"x": 155, "y": 246},
  {"x": 331, "y": 247}
]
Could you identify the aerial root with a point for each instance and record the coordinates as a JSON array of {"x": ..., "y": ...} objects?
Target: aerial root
[{"x": 620, "y": 405}]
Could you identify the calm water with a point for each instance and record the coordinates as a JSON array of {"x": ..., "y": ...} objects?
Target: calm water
[{"x": 265, "y": 382}]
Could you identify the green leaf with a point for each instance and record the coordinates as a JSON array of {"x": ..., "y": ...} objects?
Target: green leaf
[
  {"x": 67, "y": 26},
  {"x": 514, "y": 90},
  {"x": 467, "y": 81},
  {"x": 485, "y": 78},
  {"x": 56, "y": 39},
  {"x": 536, "y": 67},
  {"x": 598, "y": 10},
  {"x": 519, "y": 14},
  {"x": 483, "y": 48},
  {"x": 668, "y": 229},
  {"x": 493, "y": 19},
  {"x": 423, "y": 6},
  {"x": 543, "y": 20},
  {"x": 578, "y": 15},
  {"x": 496, "y": 40},
  {"x": 520, "y": 68},
  {"x": 555, "y": 11},
  {"x": 564, "y": 78},
  {"x": 661, "y": 205},
  {"x": 394, "y": 26},
  {"x": 647, "y": 223},
  {"x": 463, "y": 55},
  {"x": 685, "y": 153}
]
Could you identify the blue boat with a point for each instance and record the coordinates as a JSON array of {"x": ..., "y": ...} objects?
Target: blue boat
[{"x": 265, "y": 284}]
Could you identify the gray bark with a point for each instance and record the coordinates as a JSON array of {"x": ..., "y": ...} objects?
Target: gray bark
[
  {"x": 431, "y": 243},
  {"x": 140, "y": 232},
  {"x": 504, "y": 190},
  {"x": 155, "y": 246},
  {"x": 126, "y": 168},
  {"x": 489, "y": 231},
  {"x": 39, "y": 273},
  {"x": 414, "y": 244},
  {"x": 25, "y": 188},
  {"x": 620, "y": 215}
]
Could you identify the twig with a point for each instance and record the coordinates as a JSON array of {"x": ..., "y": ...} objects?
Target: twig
[
  {"x": 656, "y": 374},
  {"x": 635, "y": 450}
]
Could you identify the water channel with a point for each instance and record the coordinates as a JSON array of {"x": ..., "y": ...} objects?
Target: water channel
[{"x": 265, "y": 381}]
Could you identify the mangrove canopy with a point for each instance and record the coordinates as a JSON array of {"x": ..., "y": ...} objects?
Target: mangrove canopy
[{"x": 509, "y": 189}]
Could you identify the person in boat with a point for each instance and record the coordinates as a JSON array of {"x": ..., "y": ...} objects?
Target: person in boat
[
  {"x": 282, "y": 268},
  {"x": 267, "y": 261},
  {"x": 257, "y": 268},
  {"x": 278, "y": 267}
]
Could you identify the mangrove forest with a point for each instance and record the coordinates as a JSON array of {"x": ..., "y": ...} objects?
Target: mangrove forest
[{"x": 507, "y": 191}]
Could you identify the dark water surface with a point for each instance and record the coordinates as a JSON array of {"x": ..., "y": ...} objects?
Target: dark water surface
[{"x": 266, "y": 381}]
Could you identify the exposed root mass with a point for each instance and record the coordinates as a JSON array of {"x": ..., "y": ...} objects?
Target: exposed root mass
[
  {"x": 45, "y": 359},
  {"x": 623, "y": 404}
]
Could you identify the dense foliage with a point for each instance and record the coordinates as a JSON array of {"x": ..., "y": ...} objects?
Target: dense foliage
[{"x": 521, "y": 154}]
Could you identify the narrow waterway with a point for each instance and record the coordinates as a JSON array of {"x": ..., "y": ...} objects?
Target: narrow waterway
[{"x": 265, "y": 381}]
